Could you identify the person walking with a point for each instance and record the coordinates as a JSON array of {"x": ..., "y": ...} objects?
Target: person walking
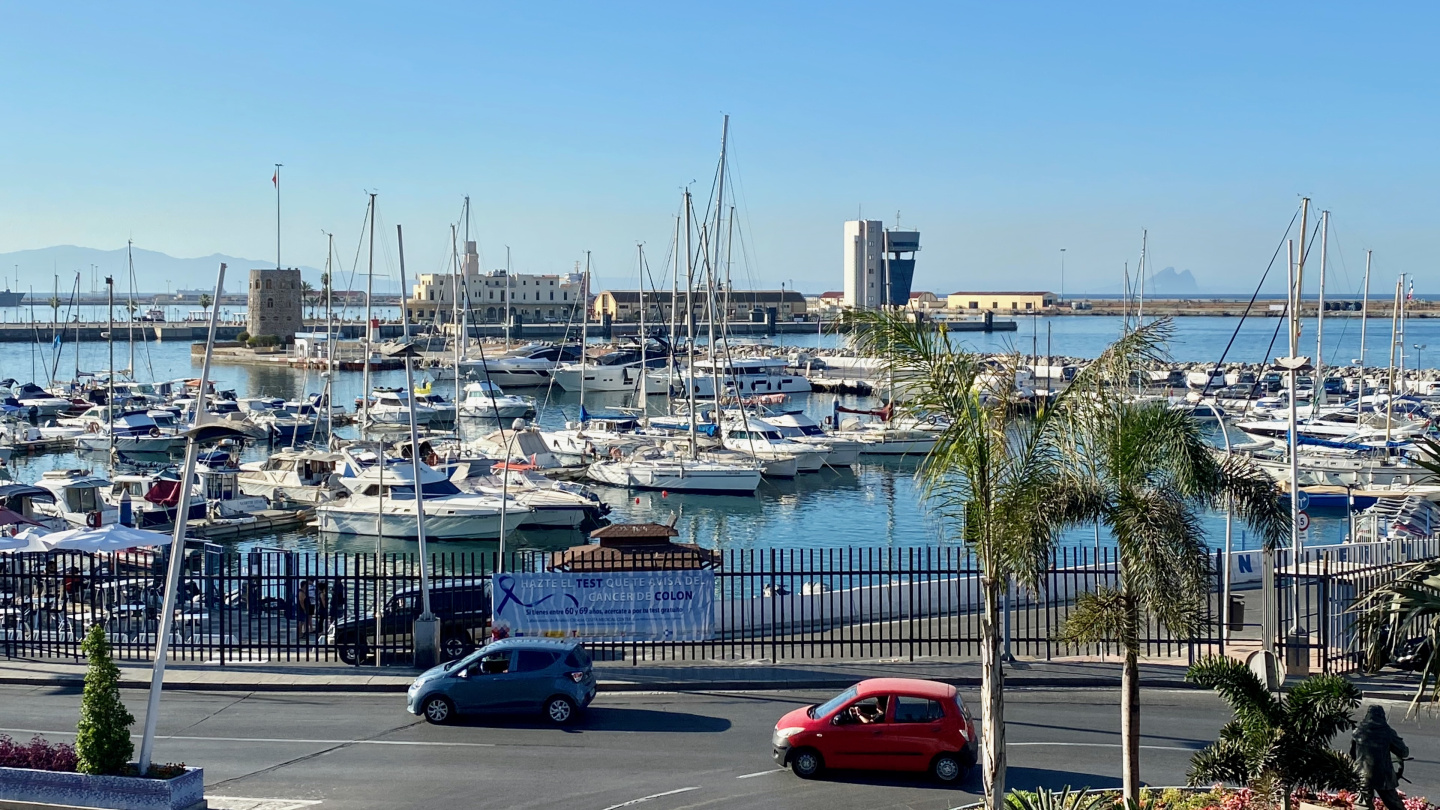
[{"x": 305, "y": 601}]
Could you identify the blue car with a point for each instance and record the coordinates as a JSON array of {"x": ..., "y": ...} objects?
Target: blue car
[{"x": 511, "y": 676}]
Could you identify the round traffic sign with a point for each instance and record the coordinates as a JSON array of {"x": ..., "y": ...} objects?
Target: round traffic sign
[
  {"x": 1302, "y": 522},
  {"x": 1302, "y": 500}
]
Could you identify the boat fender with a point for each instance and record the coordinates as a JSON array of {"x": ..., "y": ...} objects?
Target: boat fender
[{"x": 92, "y": 520}]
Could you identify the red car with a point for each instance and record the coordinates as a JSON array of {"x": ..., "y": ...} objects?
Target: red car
[{"x": 889, "y": 724}]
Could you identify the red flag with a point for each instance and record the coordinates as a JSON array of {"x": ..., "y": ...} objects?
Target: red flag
[{"x": 276, "y": 178}]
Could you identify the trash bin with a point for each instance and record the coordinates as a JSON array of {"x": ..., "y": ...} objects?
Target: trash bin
[{"x": 1236, "y": 613}]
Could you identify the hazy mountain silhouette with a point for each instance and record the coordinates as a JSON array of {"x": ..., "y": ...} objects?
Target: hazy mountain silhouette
[
  {"x": 1168, "y": 283},
  {"x": 37, "y": 269}
]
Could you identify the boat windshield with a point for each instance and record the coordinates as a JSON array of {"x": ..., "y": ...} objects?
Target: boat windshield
[{"x": 436, "y": 488}]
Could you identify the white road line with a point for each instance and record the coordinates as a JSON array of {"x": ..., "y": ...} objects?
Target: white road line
[
  {"x": 760, "y": 773},
  {"x": 654, "y": 796},
  {"x": 1105, "y": 745},
  {"x": 243, "y": 803},
  {"x": 420, "y": 743}
]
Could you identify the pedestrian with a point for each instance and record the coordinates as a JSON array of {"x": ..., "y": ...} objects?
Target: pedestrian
[
  {"x": 322, "y": 606},
  {"x": 337, "y": 599},
  {"x": 305, "y": 601}
]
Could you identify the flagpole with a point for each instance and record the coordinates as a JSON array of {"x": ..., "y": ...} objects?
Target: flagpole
[{"x": 276, "y": 179}]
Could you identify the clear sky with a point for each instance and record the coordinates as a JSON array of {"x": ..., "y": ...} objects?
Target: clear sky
[{"x": 1004, "y": 131}]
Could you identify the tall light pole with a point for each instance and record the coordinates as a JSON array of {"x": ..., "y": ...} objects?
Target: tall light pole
[
  {"x": 1062, "y": 274},
  {"x": 1419, "y": 347}
]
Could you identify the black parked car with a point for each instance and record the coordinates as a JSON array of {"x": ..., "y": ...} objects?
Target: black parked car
[{"x": 462, "y": 605}]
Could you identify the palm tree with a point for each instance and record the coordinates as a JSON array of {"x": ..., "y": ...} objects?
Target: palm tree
[
  {"x": 1145, "y": 471},
  {"x": 54, "y": 309},
  {"x": 1275, "y": 745},
  {"x": 307, "y": 291},
  {"x": 206, "y": 301},
  {"x": 999, "y": 478}
]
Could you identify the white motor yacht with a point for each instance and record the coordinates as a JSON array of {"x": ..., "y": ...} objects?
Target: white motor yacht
[
  {"x": 485, "y": 399},
  {"x": 528, "y": 366},
  {"x": 882, "y": 439},
  {"x": 743, "y": 376},
  {"x": 25, "y": 500},
  {"x": 382, "y": 502},
  {"x": 666, "y": 469},
  {"x": 391, "y": 406},
  {"x": 150, "y": 432},
  {"x": 301, "y": 476},
  {"x": 596, "y": 438},
  {"x": 554, "y": 504},
  {"x": 615, "y": 371},
  {"x": 45, "y": 404},
  {"x": 78, "y": 498},
  {"x": 755, "y": 438},
  {"x": 797, "y": 427}
]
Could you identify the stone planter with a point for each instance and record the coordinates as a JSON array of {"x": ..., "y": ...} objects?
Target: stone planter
[{"x": 112, "y": 792}]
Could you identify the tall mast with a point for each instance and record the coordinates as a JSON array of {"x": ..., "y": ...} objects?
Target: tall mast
[
  {"x": 1404, "y": 305},
  {"x": 369, "y": 325},
  {"x": 1364, "y": 313},
  {"x": 1390, "y": 382},
  {"x": 110, "y": 338},
  {"x": 674, "y": 308},
  {"x": 689, "y": 323},
  {"x": 329, "y": 339},
  {"x": 719, "y": 205},
  {"x": 130, "y": 304},
  {"x": 1317, "y": 395},
  {"x": 508, "y": 316},
  {"x": 1140, "y": 309},
  {"x": 425, "y": 614},
  {"x": 640, "y": 248},
  {"x": 584, "y": 328},
  {"x": 1298, "y": 286},
  {"x": 459, "y": 313}
]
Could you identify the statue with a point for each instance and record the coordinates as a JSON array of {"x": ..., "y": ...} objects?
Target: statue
[{"x": 1371, "y": 748}]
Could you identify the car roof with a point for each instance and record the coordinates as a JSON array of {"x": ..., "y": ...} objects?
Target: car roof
[
  {"x": 533, "y": 643},
  {"x": 908, "y": 686}
]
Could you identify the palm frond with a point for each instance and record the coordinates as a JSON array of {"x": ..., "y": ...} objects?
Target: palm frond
[
  {"x": 1237, "y": 686},
  {"x": 1220, "y": 761},
  {"x": 1320, "y": 707},
  {"x": 1100, "y": 617}
]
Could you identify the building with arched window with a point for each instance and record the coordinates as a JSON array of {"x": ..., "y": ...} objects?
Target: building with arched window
[{"x": 276, "y": 303}]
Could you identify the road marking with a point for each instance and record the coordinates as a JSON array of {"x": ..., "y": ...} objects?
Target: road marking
[
  {"x": 243, "y": 803},
  {"x": 654, "y": 796},
  {"x": 421, "y": 743},
  {"x": 760, "y": 773},
  {"x": 1105, "y": 745}
]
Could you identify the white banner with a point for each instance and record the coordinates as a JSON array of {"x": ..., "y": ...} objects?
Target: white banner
[{"x": 613, "y": 606}]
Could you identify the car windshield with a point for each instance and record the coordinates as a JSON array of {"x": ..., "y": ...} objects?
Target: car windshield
[{"x": 833, "y": 703}]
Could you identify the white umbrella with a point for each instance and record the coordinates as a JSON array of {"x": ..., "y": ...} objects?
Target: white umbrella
[
  {"x": 115, "y": 537},
  {"x": 32, "y": 539}
]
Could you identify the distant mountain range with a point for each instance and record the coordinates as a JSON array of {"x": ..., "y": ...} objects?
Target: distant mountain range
[
  {"x": 1168, "y": 283},
  {"x": 154, "y": 271}
]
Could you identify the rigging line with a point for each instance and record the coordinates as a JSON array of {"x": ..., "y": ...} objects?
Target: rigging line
[
  {"x": 354, "y": 265},
  {"x": 1253, "y": 296}
]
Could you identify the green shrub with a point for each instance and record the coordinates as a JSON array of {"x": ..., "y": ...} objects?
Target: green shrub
[
  {"x": 243, "y": 336},
  {"x": 102, "y": 744}
]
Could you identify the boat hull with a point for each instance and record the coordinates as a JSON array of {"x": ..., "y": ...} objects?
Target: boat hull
[{"x": 674, "y": 477}]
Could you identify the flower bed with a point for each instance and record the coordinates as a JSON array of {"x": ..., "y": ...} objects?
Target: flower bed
[
  {"x": 1217, "y": 797},
  {"x": 44, "y": 772}
]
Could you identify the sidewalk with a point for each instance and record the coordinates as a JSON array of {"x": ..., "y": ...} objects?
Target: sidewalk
[
  {"x": 614, "y": 677},
  {"x": 675, "y": 676}
]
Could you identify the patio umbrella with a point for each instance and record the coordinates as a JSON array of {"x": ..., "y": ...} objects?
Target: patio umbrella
[
  {"x": 114, "y": 537},
  {"x": 32, "y": 539},
  {"x": 9, "y": 517}
]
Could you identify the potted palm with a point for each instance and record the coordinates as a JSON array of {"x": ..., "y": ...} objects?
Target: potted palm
[{"x": 96, "y": 771}]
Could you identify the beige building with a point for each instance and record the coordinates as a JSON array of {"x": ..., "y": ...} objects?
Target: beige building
[
  {"x": 534, "y": 298},
  {"x": 926, "y": 302},
  {"x": 739, "y": 305},
  {"x": 999, "y": 301}
]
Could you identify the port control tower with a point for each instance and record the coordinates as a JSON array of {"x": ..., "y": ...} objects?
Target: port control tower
[{"x": 879, "y": 264}]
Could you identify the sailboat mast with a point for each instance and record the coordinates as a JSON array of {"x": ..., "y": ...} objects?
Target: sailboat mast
[
  {"x": 508, "y": 316},
  {"x": 1364, "y": 314},
  {"x": 1140, "y": 309},
  {"x": 330, "y": 338},
  {"x": 720, "y": 195},
  {"x": 1317, "y": 396},
  {"x": 1298, "y": 286},
  {"x": 369, "y": 325},
  {"x": 130, "y": 305},
  {"x": 459, "y": 317},
  {"x": 1390, "y": 382},
  {"x": 690, "y": 323},
  {"x": 674, "y": 307},
  {"x": 640, "y": 247},
  {"x": 110, "y": 338},
  {"x": 584, "y": 326}
]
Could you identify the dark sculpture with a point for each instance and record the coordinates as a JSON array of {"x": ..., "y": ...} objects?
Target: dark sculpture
[{"x": 1371, "y": 748}]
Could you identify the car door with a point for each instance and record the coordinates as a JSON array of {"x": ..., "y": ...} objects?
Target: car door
[
  {"x": 915, "y": 734},
  {"x": 854, "y": 738},
  {"x": 483, "y": 686},
  {"x": 534, "y": 676}
]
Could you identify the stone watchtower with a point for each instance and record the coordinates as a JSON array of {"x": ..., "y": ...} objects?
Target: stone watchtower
[{"x": 276, "y": 304}]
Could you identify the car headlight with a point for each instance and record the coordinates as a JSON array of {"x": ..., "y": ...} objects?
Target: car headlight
[{"x": 782, "y": 734}]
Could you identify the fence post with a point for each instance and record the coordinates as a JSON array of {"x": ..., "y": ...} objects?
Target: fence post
[{"x": 1005, "y": 620}]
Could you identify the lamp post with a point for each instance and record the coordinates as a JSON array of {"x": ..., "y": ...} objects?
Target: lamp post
[
  {"x": 1062, "y": 274},
  {"x": 1419, "y": 347}
]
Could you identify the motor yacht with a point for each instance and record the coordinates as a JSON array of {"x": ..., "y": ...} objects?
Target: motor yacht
[
  {"x": 485, "y": 399},
  {"x": 667, "y": 468},
  {"x": 797, "y": 427},
  {"x": 528, "y": 366},
  {"x": 299, "y": 476},
  {"x": 382, "y": 502},
  {"x": 78, "y": 498},
  {"x": 762, "y": 441}
]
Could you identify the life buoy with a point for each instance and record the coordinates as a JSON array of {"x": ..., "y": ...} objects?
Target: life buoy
[
  {"x": 93, "y": 519},
  {"x": 154, "y": 432},
  {"x": 93, "y": 427}
]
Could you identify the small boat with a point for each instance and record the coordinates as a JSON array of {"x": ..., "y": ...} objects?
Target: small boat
[
  {"x": 78, "y": 497},
  {"x": 382, "y": 502},
  {"x": 665, "y": 469},
  {"x": 302, "y": 476},
  {"x": 149, "y": 432},
  {"x": 485, "y": 399}
]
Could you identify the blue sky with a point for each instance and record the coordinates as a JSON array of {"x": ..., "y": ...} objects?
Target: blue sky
[{"x": 1004, "y": 131}]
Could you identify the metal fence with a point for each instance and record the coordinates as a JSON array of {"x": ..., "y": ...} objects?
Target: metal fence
[
  {"x": 776, "y": 604},
  {"x": 1317, "y": 597}
]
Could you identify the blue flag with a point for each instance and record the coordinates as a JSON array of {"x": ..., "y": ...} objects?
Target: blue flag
[
  {"x": 57, "y": 340},
  {"x": 584, "y": 415}
]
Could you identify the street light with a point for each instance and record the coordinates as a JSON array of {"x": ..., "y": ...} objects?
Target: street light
[
  {"x": 1062, "y": 274},
  {"x": 1419, "y": 347}
]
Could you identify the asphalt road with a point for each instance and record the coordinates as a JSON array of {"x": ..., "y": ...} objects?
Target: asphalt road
[{"x": 652, "y": 751}]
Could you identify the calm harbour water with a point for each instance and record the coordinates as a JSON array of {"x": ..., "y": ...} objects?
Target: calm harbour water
[{"x": 876, "y": 504}]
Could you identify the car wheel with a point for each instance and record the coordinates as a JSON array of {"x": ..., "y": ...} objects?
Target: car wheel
[
  {"x": 949, "y": 769},
  {"x": 438, "y": 710},
  {"x": 807, "y": 763},
  {"x": 349, "y": 655},
  {"x": 456, "y": 647},
  {"x": 560, "y": 710}
]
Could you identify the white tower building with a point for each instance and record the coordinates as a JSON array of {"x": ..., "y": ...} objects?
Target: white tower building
[{"x": 864, "y": 263}]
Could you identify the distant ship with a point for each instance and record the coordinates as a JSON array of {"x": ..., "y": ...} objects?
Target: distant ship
[{"x": 11, "y": 299}]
